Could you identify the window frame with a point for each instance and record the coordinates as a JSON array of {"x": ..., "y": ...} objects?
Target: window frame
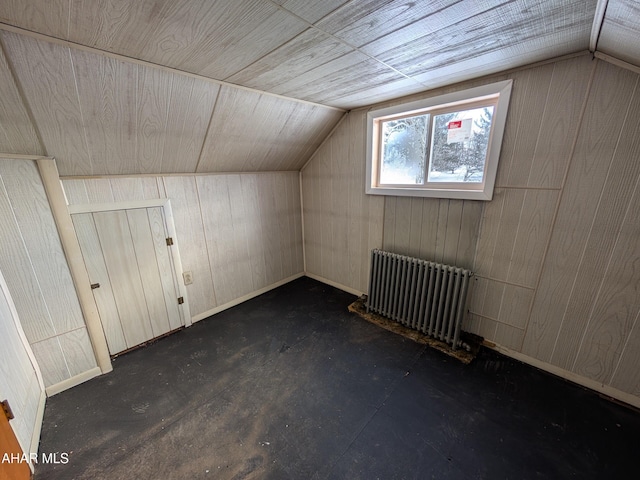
[{"x": 498, "y": 92}]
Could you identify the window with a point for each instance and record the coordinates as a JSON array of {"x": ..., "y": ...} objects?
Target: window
[{"x": 446, "y": 146}]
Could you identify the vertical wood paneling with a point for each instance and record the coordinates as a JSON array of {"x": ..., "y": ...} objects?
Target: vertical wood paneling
[
  {"x": 17, "y": 269},
  {"x": 559, "y": 123},
  {"x": 94, "y": 260},
  {"x": 190, "y": 108},
  {"x": 126, "y": 189},
  {"x": 51, "y": 360},
  {"x": 339, "y": 198},
  {"x": 75, "y": 191},
  {"x": 18, "y": 378},
  {"x": 78, "y": 352},
  {"x": 334, "y": 167},
  {"x": 616, "y": 308},
  {"x": 608, "y": 218},
  {"x": 519, "y": 90},
  {"x": 281, "y": 220},
  {"x": 36, "y": 271},
  {"x": 626, "y": 377},
  {"x": 529, "y": 125},
  {"x": 218, "y": 230},
  {"x": 239, "y": 220},
  {"x": 438, "y": 230},
  {"x": 534, "y": 227},
  {"x": 452, "y": 229},
  {"x": 144, "y": 246},
  {"x": 100, "y": 115},
  {"x": 597, "y": 141},
  {"x": 107, "y": 92},
  {"x": 128, "y": 290},
  {"x": 507, "y": 231},
  {"x": 99, "y": 190},
  {"x": 153, "y": 92},
  {"x": 46, "y": 75},
  {"x": 190, "y": 232},
  {"x": 253, "y": 230},
  {"x": 165, "y": 266},
  {"x": 40, "y": 236},
  {"x": 270, "y": 234},
  {"x": 282, "y": 132},
  {"x": 356, "y": 215},
  {"x": 311, "y": 188},
  {"x": 326, "y": 189},
  {"x": 17, "y": 133},
  {"x": 470, "y": 226},
  {"x": 429, "y": 231}
]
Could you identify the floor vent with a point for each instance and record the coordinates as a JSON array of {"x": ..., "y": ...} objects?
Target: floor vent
[{"x": 426, "y": 296}]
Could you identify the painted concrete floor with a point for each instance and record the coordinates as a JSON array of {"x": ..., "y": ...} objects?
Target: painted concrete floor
[{"x": 291, "y": 386}]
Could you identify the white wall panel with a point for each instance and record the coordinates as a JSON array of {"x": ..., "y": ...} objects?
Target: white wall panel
[
  {"x": 554, "y": 256},
  {"x": 237, "y": 233},
  {"x": 37, "y": 274}
]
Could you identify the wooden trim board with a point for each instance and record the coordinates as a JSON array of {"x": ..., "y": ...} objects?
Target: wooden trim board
[
  {"x": 244, "y": 298},
  {"x": 53, "y": 188},
  {"x": 334, "y": 284},
  {"x": 567, "y": 375},
  {"x": 73, "y": 381}
]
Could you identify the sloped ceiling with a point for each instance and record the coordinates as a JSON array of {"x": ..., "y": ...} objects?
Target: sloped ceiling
[{"x": 184, "y": 86}]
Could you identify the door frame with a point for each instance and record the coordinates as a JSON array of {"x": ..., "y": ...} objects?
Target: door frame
[
  {"x": 61, "y": 213},
  {"x": 165, "y": 204}
]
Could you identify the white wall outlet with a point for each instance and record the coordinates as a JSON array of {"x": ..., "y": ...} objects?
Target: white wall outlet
[{"x": 187, "y": 277}]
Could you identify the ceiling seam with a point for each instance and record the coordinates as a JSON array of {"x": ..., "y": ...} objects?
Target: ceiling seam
[
  {"x": 206, "y": 135},
  {"x": 355, "y": 48},
  {"x": 124, "y": 58}
]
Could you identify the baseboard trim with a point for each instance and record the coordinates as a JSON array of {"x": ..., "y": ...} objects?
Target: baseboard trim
[
  {"x": 73, "y": 381},
  {"x": 244, "y": 298},
  {"x": 37, "y": 429},
  {"x": 337, "y": 285},
  {"x": 598, "y": 387}
]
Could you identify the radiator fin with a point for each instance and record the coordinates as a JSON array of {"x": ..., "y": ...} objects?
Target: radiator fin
[{"x": 426, "y": 296}]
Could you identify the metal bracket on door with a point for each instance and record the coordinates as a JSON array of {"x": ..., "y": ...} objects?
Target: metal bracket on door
[{"x": 94, "y": 286}]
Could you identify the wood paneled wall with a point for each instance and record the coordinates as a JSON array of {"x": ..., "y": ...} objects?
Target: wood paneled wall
[
  {"x": 341, "y": 223},
  {"x": 35, "y": 269},
  {"x": 237, "y": 233},
  {"x": 99, "y": 115},
  {"x": 556, "y": 252},
  {"x": 20, "y": 380}
]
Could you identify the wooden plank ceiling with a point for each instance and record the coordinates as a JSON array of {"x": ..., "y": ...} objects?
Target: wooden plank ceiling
[{"x": 186, "y": 86}]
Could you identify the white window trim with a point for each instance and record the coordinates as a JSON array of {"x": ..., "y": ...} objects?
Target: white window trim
[{"x": 479, "y": 191}]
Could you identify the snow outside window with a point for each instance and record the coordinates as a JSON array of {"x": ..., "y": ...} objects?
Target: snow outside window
[{"x": 446, "y": 146}]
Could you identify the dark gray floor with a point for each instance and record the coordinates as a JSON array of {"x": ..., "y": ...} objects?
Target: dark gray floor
[{"x": 291, "y": 386}]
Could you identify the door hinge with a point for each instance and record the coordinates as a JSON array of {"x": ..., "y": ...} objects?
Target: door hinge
[
  {"x": 169, "y": 241},
  {"x": 180, "y": 300},
  {"x": 7, "y": 409}
]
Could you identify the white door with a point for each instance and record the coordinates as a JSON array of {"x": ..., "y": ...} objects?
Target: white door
[{"x": 127, "y": 254}]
